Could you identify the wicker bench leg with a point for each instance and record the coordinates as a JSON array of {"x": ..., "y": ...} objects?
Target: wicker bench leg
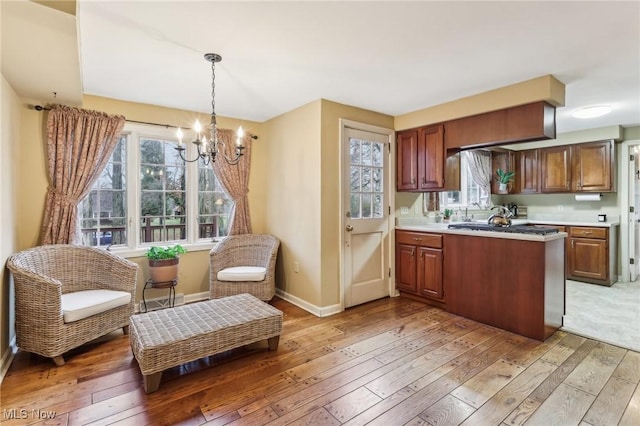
[
  {"x": 273, "y": 343},
  {"x": 125, "y": 330},
  {"x": 59, "y": 360},
  {"x": 152, "y": 382}
]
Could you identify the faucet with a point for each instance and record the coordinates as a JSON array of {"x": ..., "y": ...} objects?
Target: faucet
[{"x": 466, "y": 217}]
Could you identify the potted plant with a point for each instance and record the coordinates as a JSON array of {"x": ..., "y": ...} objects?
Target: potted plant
[
  {"x": 447, "y": 214},
  {"x": 504, "y": 178},
  {"x": 163, "y": 262}
]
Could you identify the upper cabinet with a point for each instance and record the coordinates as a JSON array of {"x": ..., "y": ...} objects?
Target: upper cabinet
[
  {"x": 407, "y": 156},
  {"x": 428, "y": 158},
  {"x": 527, "y": 172},
  {"x": 593, "y": 167},
  {"x": 555, "y": 169},
  {"x": 431, "y": 158},
  {"x": 584, "y": 167},
  {"x": 530, "y": 122},
  {"x": 422, "y": 162}
]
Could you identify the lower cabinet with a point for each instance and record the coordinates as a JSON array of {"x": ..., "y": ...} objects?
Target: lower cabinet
[
  {"x": 419, "y": 264},
  {"x": 588, "y": 257},
  {"x": 589, "y": 253}
]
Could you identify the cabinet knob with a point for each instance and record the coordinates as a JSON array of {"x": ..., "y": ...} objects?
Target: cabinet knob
[{"x": 416, "y": 239}]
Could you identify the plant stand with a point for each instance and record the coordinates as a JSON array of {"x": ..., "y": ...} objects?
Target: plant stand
[{"x": 171, "y": 285}]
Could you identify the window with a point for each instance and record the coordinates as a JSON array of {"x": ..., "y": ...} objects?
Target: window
[
  {"x": 103, "y": 213},
  {"x": 162, "y": 192},
  {"x": 469, "y": 192},
  {"x": 148, "y": 195}
]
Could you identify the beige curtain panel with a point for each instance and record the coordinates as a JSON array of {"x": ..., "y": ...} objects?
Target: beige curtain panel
[
  {"x": 79, "y": 144},
  {"x": 235, "y": 180}
]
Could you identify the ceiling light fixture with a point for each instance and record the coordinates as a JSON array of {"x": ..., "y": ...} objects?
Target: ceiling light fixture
[
  {"x": 592, "y": 111},
  {"x": 208, "y": 151}
]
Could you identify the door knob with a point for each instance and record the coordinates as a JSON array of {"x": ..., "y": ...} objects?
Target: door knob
[{"x": 349, "y": 228}]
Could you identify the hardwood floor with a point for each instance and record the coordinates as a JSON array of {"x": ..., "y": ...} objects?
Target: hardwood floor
[{"x": 388, "y": 362}]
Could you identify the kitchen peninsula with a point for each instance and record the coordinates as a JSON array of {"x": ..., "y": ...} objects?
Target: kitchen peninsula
[{"x": 514, "y": 281}]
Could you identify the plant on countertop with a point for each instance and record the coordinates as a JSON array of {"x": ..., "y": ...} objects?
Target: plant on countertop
[
  {"x": 162, "y": 253},
  {"x": 447, "y": 213},
  {"x": 504, "y": 177}
]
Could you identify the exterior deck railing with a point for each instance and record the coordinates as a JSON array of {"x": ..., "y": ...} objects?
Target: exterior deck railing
[{"x": 148, "y": 233}]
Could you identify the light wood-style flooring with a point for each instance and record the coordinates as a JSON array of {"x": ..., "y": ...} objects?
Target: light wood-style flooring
[{"x": 388, "y": 362}]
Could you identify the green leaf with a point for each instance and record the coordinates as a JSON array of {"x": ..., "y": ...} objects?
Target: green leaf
[{"x": 160, "y": 253}]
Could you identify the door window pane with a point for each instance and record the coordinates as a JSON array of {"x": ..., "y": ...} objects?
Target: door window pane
[{"x": 367, "y": 197}]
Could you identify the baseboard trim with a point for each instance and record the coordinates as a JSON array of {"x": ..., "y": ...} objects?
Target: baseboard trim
[
  {"x": 196, "y": 297},
  {"x": 7, "y": 358},
  {"x": 318, "y": 311}
]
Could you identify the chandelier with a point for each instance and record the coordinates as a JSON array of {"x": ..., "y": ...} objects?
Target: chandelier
[{"x": 209, "y": 150}]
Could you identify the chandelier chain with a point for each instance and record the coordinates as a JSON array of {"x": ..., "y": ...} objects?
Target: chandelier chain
[{"x": 213, "y": 95}]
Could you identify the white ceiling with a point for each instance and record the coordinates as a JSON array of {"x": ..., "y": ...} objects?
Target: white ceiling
[{"x": 392, "y": 57}]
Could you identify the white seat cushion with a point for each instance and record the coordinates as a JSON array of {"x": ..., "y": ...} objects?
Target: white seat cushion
[
  {"x": 83, "y": 304},
  {"x": 243, "y": 273}
]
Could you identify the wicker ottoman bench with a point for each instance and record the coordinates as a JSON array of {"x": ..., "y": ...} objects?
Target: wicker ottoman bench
[{"x": 170, "y": 337}]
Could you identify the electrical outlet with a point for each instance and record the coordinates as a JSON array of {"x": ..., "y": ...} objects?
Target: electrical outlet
[
  {"x": 296, "y": 266},
  {"x": 560, "y": 208},
  {"x": 404, "y": 210},
  {"x": 416, "y": 209}
]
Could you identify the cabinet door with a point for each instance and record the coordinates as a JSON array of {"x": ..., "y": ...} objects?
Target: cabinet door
[
  {"x": 555, "y": 169},
  {"x": 588, "y": 258},
  {"x": 527, "y": 172},
  {"x": 406, "y": 151},
  {"x": 431, "y": 158},
  {"x": 430, "y": 273},
  {"x": 592, "y": 168},
  {"x": 406, "y": 268}
]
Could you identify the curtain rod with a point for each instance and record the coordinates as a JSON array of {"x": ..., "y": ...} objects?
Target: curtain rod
[{"x": 41, "y": 108}]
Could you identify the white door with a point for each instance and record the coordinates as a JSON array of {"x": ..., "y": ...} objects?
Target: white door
[
  {"x": 634, "y": 218},
  {"x": 365, "y": 212}
]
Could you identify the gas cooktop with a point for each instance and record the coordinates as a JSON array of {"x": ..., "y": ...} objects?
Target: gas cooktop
[{"x": 518, "y": 229}]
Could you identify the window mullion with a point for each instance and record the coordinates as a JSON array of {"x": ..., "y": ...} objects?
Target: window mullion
[
  {"x": 133, "y": 191},
  {"x": 191, "y": 188}
]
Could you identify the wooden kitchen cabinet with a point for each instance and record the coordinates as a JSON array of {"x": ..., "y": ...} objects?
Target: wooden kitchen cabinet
[
  {"x": 429, "y": 277},
  {"x": 585, "y": 167},
  {"x": 522, "y": 123},
  {"x": 406, "y": 267},
  {"x": 407, "y": 160},
  {"x": 593, "y": 167},
  {"x": 527, "y": 172},
  {"x": 588, "y": 255},
  {"x": 422, "y": 162},
  {"x": 555, "y": 169},
  {"x": 430, "y": 158},
  {"x": 419, "y": 264}
]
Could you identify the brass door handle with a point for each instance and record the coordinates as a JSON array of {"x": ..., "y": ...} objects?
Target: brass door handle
[{"x": 349, "y": 228}]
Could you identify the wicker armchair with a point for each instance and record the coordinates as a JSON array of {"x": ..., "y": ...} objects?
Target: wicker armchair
[
  {"x": 240, "y": 252},
  {"x": 42, "y": 275}
]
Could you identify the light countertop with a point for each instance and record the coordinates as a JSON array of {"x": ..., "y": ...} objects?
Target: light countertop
[{"x": 443, "y": 229}]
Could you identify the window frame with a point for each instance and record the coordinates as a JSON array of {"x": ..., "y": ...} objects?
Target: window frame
[
  {"x": 134, "y": 247},
  {"x": 464, "y": 195}
]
